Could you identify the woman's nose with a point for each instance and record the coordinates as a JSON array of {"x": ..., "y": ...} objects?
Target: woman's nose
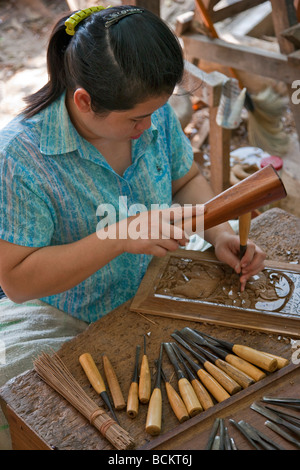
[{"x": 144, "y": 124}]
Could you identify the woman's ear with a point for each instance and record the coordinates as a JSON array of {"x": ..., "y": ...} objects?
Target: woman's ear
[{"x": 82, "y": 100}]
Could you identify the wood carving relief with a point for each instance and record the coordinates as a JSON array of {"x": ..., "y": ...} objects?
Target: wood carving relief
[
  {"x": 196, "y": 286},
  {"x": 204, "y": 281}
]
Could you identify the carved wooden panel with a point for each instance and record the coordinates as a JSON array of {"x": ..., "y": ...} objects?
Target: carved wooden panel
[{"x": 196, "y": 286}]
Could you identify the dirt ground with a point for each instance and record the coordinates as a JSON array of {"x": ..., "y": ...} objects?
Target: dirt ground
[{"x": 24, "y": 30}]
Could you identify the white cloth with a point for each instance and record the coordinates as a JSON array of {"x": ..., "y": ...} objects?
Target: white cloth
[{"x": 25, "y": 331}]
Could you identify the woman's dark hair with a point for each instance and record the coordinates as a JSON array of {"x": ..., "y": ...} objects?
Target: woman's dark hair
[{"x": 119, "y": 66}]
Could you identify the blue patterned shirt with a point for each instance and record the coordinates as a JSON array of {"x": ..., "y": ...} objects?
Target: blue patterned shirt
[{"x": 53, "y": 181}]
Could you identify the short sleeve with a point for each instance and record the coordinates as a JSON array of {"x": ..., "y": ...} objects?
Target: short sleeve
[
  {"x": 180, "y": 150},
  {"x": 26, "y": 220}
]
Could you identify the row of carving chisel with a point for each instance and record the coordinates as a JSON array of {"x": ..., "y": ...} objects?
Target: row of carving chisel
[{"x": 208, "y": 371}]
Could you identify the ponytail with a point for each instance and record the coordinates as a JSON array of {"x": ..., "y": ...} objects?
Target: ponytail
[{"x": 57, "y": 82}]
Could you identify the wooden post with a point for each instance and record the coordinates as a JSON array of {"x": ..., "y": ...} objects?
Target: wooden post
[
  {"x": 219, "y": 141},
  {"x": 284, "y": 16},
  {"x": 208, "y": 88}
]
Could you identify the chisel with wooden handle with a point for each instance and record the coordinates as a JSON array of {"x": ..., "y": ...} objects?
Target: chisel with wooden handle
[
  {"x": 175, "y": 400},
  {"x": 258, "y": 358},
  {"x": 240, "y": 377},
  {"x": 185, "y": 388},
  {"x": 95, "y": 378},
  {"x": 244, "y": 228},
  {"x": 145, "y": 378},
  {"x": 113, "y": 383},
  {"x": 216, "y": 390},
  {"x": 230, "y": 385},
  {"x": 154, "y": 413},
  {"x": 201, "y": 392},
  {"x": 133, "y": 394},
  {"x": 236, "y": 361},
  {"x": 281, "y": 361}
]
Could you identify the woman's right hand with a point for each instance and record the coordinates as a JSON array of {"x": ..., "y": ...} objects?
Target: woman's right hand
[{"x": 154, "y": 232}]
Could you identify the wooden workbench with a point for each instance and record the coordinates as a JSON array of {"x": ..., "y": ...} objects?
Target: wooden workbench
[{"x": 39, "y": 418}]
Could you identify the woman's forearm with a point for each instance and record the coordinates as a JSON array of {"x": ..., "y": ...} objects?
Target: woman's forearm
[{"x": 54, "y": 269}]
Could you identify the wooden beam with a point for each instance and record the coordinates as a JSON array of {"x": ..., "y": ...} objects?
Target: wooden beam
[
  {"x": 208, "y": 88},
  {"x": 219, "y": 141},
  {"x": 292, "y": 34},
  {"x": 284, "y": 16},
  {"x": 267, "y": 64},
  {"x": 205, "y": 86},
  {"x": 234, "y": 9}
]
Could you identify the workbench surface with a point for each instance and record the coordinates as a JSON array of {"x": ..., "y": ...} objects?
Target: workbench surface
[{"x": 39, "y": 418}]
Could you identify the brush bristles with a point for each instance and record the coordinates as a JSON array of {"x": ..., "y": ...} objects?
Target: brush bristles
[
  {"x": 54, "y": 372},
  {"x": 265, "y": 129}
]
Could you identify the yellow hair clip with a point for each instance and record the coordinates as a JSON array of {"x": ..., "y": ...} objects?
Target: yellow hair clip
[{"x": 73, "y": 21}]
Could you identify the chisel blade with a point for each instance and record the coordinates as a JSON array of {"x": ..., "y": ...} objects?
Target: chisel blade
[
  {"x": 274, "y": 417},
  {"x": 282, "y": 433}
]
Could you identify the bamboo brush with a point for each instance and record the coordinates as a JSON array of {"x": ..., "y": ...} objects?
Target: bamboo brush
[
  {"x": 54, "y": 372},
  {"x": 265, "y": 129}
]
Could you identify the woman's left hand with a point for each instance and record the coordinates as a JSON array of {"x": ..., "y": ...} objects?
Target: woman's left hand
[{"x": 227, "y": 249}]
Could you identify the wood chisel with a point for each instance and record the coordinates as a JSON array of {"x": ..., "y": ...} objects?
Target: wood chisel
[
  {"x": 154, "y": 413},
  {"x": 281, "y": 361},
  {"x": 292, "y": 403},
  {"x": 258, "y": 358},
  {"x": 259, "y": 437},
  {"x": 212, "y": 434},
  {"x": 274, "y": 417},
  {"x": 245, "y": 434},
  {"x": 282, "y": 433},
  {"x": 133, "y": 394},
  {"x": 185, "y": 388},
  {"x": 244, "y": 229},
  {"x": 240, "y": 377},
  {"x": 201, "y": 392},
  {"x": 222, "y": 435},
  {"x": 249, "y": 369},
  {"x": 95, "y": 378},
  {"x": 230, "y": 385},
  {"x": 216, "y": 390},
  {"x": 113, "y": 384},
  {"x": 175, "y": 400},
  {"x": 145, "y": 378},
  {"x": 283, "y": 414},
  {"x": 227, "y": 443}
]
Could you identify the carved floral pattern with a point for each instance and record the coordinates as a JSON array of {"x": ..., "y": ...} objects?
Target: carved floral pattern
[{"x": 213, "y": 282}]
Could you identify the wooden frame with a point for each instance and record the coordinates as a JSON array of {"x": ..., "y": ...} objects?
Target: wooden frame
[{"x": 148, "y": 300}]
